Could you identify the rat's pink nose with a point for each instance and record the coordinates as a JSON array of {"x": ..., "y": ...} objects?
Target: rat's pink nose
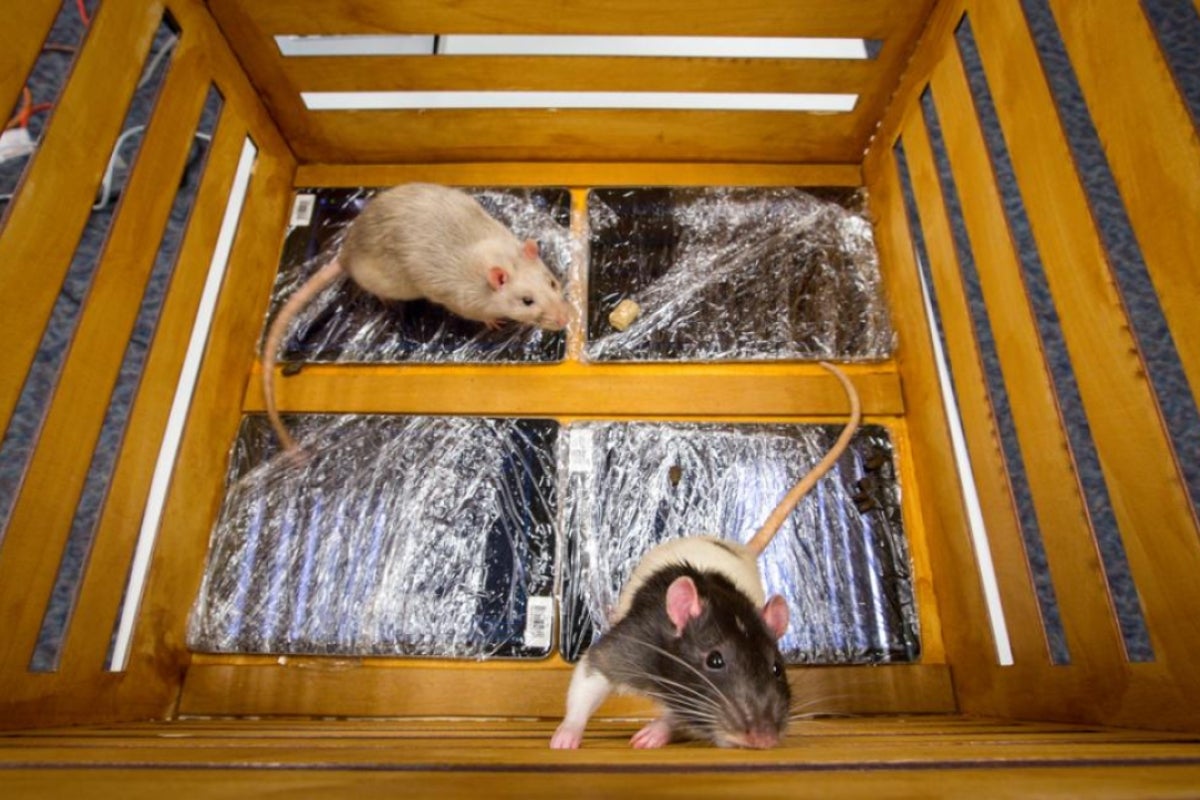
[{"x": 762, "y": 739}]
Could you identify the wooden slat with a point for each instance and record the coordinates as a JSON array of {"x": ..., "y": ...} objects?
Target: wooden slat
[
  {"x": 240, "y": 96},
  {"x": 42, "y": 516},
  {"x": 871, "y": 19},
  {"x": 258, "y": 61},
  {"x": 370, "y": 687},
  {"x": 1147, "y": 492},
  {"x": 961, "y": 608},
  {"x": 594, "y": 174},
  {"x": 47, "y": 216},
  {"x": 890, "y": 62},
  {"x": 579, "y": 73},
  {"x": 1072, "y": 554},
  {"x": 116, "y": 531},
  {"x": 927, "y": 756},
  {"x": 25, "y": 28},
  {"x": 576, "y": 135},
  {"x": 1126, "y": 82},
  {"x": 196, "y": 485},
  {"x": 916, "y": 534},
  {"x": 937, "y": 35},
  {"x": 583, "y": 390},
  {"x": 1101, "y": 782},
  {"x": 962, "y": 353}
]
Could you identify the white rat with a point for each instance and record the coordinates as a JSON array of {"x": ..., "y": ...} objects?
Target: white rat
[
  {"x": 694, "y": 630},
  {"x": 431, "y": 242}
]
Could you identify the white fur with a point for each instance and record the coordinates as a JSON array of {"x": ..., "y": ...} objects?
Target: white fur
[{"x": 704, "y": 553}]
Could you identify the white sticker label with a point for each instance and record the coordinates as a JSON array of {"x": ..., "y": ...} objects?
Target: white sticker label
[
  {"x": 580, "y": 459},
  {"x": 539, "y": 622},
  {"x": 302, "y": 209}
]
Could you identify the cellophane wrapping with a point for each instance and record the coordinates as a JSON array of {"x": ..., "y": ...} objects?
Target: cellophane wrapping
[
  {"x": 734, "y": 274},
  {"x": 840, "y": 559},
  {"x": 390, "y": 535}
]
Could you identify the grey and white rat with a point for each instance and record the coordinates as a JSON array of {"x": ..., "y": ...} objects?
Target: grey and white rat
[
  {"x": 431, "y": 242},
  {"x": 694, "y": 631}
]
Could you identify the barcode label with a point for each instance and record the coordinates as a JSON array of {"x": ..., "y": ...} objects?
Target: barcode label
[
  {"x": 580, "y": 458},
  {"x": 302, "y": 209},
  {"x": 539, "y": 622}
]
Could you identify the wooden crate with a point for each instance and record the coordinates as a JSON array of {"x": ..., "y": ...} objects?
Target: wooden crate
[{"x": 924, "y": 144}]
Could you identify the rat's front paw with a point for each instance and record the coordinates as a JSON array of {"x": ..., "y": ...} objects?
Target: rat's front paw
[{"x": 566, "y": 738}]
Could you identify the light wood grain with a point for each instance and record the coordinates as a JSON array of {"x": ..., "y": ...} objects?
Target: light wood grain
[
  {"x": 1102, "y": 782},
  {"x": 100, "y": 593},
  {"x": 873, "y": 19},
  {"x": 583, "y": 390},
  {"x": 936, "y": 37},
  {"x": 580, "y": 73},
  {"x": 878, "y": 757},
  {"x": 1025, "y": 626},
  {"x": 580, "y": 174},
  {"x": 1126, "y": 81},
  {"x": 196, "y": 485},
  {"x": 42, "y": 516},
  {"x": 891, "y": 62},
  {"x": 370, "y": 687},
  {"x": 47, "y": 216},
  {"x": 1072, "y": 554},
  {"x": 961, "y": 608},
  {"x": 1144, "y": 483},
  {"x": 576, "y": 135}
]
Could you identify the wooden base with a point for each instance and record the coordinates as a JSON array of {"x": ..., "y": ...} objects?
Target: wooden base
[{"x": 877, "y": 757}]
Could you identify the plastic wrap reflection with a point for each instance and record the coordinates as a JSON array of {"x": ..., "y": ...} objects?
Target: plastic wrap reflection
[
  {"x": 414, "y": 536},
  {"x": 840, "y": 560},
  {"x": 347, "y": 324},
  {"x": 734, "y": 274}
]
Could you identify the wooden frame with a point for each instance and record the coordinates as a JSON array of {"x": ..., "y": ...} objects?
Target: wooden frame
[{"x": 227, "y": 44}]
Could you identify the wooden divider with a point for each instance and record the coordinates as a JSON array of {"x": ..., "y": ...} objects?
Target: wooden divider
[{"x": 590, "y": 174}]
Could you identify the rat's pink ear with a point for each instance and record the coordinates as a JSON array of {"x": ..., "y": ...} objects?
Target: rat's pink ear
[
  {"x": 775, "y": 614},
  {"x": 683, "y": 602},
  {"x": 530, "y": 250},
  {"x": 497, "y": 277}
]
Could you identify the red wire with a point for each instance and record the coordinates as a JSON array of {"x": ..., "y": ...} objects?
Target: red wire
[
  {"x": 21, "y": 118},
  {"x": 83, "y": 12}
]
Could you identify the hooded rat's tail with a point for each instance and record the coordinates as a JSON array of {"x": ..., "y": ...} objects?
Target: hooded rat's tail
[{"x": 763, "y": 537}]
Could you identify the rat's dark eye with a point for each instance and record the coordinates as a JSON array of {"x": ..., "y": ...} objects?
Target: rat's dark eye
[
  {"x": 777, "y": 669},
  {"x": 715, "y": 660},
  {"x": 527, "y": 301},
  {"x": 554, "y": 284}
]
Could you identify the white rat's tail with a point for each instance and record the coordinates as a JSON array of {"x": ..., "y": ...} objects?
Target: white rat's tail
[
  {"x": 763, "y": 537},
  {"x": 299, "y": 299}
]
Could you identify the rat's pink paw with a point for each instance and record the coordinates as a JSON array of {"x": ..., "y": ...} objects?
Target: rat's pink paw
[
  {"x": 494, "y": 324},
  {"x": 656, "y": 734},
  {"x": 566, "y": 738}
]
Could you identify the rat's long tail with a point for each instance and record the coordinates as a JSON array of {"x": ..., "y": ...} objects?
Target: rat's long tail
[
  {"x": 299, "y": 299},
  {"x": 764, "y": 535}
]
